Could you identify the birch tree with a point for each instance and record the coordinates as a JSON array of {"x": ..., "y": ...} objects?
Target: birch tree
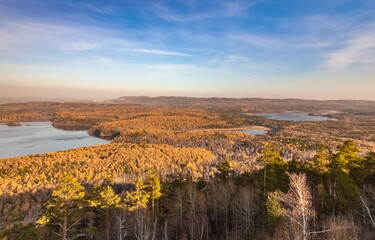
[{"x": 297, "y": 207}]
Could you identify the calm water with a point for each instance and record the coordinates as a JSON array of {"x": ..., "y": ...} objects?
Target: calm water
[
  {"x": 294, "y": 117},
  {"x": 41, "y": 137},
  {"x": 252, "y": 131}
]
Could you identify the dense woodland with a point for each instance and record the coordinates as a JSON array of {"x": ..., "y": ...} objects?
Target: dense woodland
[{"x": 175, "y": 172}]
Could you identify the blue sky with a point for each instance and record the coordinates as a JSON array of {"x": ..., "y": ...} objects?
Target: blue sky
[{"x": 315, "y": 49}]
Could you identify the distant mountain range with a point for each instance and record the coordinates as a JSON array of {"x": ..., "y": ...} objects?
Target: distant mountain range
[{"x": 254, "y": 104}]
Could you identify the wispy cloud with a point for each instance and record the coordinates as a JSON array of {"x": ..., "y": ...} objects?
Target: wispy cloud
[
  {"x": 103, "y": 9},
  {"x": 360, "y": 49},
  {"x": 336, "y": 42},
  {"x": 98, "y": 8},
  {"x": 67, "y": 38},
  {"x": 235, "y": 58},
  {"x": 257, "y": 40},
  {"x": 28, "y": 34},
  {"x": 80, "y": 46},
  {"x": 281, "y": 42},
  {"x": 157, "y": 52},
  {"x": 348, "y": 38},
  {"x": 197, "y": 11}
]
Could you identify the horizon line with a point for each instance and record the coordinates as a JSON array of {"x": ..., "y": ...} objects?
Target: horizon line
[{"x": 10, "y": 100}]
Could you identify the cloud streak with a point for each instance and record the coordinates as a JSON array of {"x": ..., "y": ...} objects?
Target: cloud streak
[
  {"x": 199, "y": 12},
  {"x": 80, "y": 46},
  {"x": 360, "y": 49},
  {"x": 157, "y": 52},
  {"x": 28, "y": 34},
  {"x": 67, "y": 38}
]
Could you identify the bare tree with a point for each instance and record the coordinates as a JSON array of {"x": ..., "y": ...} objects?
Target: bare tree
[
  {"x": 177, "y": 213},
  {"x": 121, "y": 224},
  {"x": 142, "y": 230},
  {"x": 297, "y": 206},
  {"x": 165, "y": 230},
  {"x": 368, "y": 203},
  {"x": 90, "y": 222},
  {"x": 246, "y": 208},
  {"x": 340, "y": 227},
  {"x": 196, "y": 212},
  {"x": 219, "y": 201}
]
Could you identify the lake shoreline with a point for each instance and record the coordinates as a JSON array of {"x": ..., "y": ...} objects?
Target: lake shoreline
[
  {"x": 233, "y": 129},
  {"x": 294, "y": 116},
  {"x": 32, "y": 138}
]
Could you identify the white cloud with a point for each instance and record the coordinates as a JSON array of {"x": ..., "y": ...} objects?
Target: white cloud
[
  {"x": 104, "y": 9},
  {"x": 281, "y": 42},
  {"x": 237, "y": 58},
  {"x": 27, "y": 34},
  {"x": 157, "y": 52},
  {"x": 360, "y": 49},
  {"x": 197, "y": 13},
  {"x": 22, "y": 35},
  {"x": 257, "y": 40},
  {"x": 80, "y": 46}
]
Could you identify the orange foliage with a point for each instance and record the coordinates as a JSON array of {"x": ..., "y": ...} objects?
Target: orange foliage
[{"x": 111, "y": 162}]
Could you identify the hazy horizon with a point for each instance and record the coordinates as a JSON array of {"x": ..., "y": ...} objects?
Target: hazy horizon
[
  {"x": 69, "y": 94},
  {"x": 216, "y": 48}
]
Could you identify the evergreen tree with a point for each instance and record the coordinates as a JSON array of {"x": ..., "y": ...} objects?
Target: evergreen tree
[
  {"x": 273, "y": 176},
  {"x": 320, "y": 161},
  {"x": 105, "y": 200},
  {"x": 369, "y": 167},
  {"x": 65, "y": 209},
  {"x": 345, "y": 158},
  {"x": 138, "y": 197},
  {"x": 343, "y": 188},
  {"x": 224, "y": 170},
  {"x": 274, "y": 211},
  {"x": 153, "y": 187}
]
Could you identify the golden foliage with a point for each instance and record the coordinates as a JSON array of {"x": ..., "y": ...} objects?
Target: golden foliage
[{"x": 103, "y": 162}]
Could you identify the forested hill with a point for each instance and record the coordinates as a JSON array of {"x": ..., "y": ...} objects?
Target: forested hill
[
  {"x": 262, "y": 104},
  {"x": 182, "y": 172}
]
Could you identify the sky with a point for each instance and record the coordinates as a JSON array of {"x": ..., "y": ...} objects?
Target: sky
[{"x": 311, "y": 49}]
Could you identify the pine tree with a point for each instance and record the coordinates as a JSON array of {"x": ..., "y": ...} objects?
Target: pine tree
[
  {"x": 65, "y": 209},
  {"x": 274, "y": 211},
  {"x": 224, "y": 170},
  {"x": 105, "y": 200},
  {"x": 138, "y": 197},
  {"x": 274, "y": 172},
  {"x": 346, "y": 157},
  {"x": 153, "y": 187},
  {"x": 343, "y": 188}
]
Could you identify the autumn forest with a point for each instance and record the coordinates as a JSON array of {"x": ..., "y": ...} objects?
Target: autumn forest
[{"x": 181, "y": 168}]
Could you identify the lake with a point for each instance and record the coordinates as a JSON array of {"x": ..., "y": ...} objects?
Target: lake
[
  {"x": 41, "y": 137},
  {"x": 251, "y": 131},
  {"x": 294, "y": 117}
]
